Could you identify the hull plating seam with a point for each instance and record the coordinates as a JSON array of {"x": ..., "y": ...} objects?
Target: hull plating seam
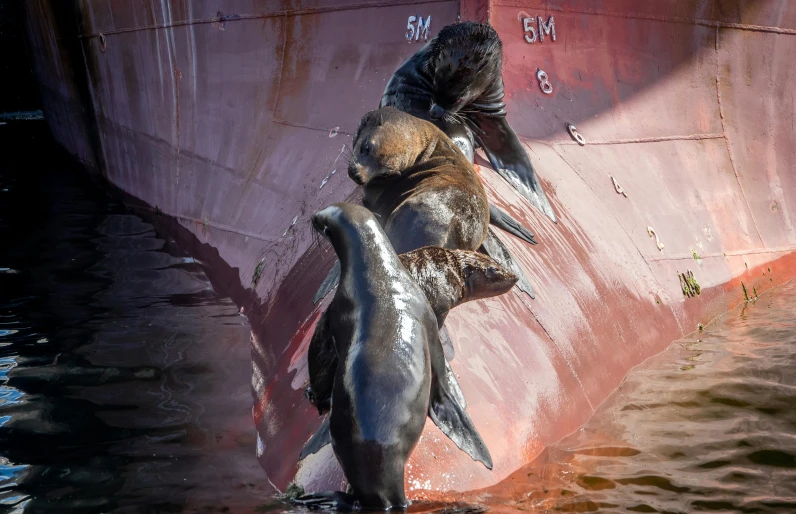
[{"x": 257, "y": 16}]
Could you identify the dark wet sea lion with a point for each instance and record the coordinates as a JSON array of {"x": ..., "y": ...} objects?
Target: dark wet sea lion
[
  {"x": 455, "y": 80},
  {"x": 448, "y": 278},
  {"x": 381, "y": 324},
  {"x": 420, "y": 186}
]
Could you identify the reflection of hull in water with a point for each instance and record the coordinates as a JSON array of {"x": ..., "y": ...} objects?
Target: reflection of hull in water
[{"x": 233, "y": 123}]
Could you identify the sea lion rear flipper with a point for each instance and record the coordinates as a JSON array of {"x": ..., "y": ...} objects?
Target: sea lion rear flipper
[
  {"x": 319, "y": 439},
  {"x": 495, "y": 248},
  {"x": 454, "y": 422},
  {"x": 330, "y": 500},
  {"x": 328, "y": 284},
  {"x": 503, "y": 220},
  {"x": 510, "y": 160}
]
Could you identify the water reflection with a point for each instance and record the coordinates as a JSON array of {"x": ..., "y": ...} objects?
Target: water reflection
[
  {"x": 710, "y": 425},
  {"x": 124, "y": 379}
]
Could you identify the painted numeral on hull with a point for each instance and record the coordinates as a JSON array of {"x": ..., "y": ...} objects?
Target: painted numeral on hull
[
  {"x": 535, "y": 29},
  {"x": 417, "y": 27}
]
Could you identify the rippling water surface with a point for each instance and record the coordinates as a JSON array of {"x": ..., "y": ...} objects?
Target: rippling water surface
[
  {"x": 124, "y": 379},
  {"x": 709, "y": 425}
]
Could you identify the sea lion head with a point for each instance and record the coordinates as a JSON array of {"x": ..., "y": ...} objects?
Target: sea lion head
[
  {"x": 346, "y": 223},
  {"x": 387, "y": 142},
  {"x": 483, "y": 276},
  {"x": 452, "y": 277},
  {"x": 466, "y": 58}
]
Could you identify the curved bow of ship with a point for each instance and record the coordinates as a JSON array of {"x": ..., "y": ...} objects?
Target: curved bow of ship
[{"x": 230, "y": 125}]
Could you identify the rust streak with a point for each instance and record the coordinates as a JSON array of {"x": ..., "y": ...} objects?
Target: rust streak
[{"x": 727, "y": 139}]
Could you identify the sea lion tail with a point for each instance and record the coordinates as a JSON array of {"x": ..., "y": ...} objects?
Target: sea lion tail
[
  {"x": 503, "y": 220},
  {"x": 495, "y": 248},
  {"x": 454, "y": 422},
  {"x": 319, "y": 439}
]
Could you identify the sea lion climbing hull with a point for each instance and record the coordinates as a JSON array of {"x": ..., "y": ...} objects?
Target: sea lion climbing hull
[{"x": 227, "y": 128}]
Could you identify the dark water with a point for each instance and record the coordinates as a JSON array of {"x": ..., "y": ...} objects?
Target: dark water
[
  {"x": 708, "y": 426},
  {"x": 124, "y": 379}
]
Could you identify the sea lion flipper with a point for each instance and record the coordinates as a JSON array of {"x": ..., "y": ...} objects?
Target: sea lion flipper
[
  {"x": 319, "y": 439},
  {"x": 503, "y": 220},
  {"x": 495, "y": 248},
  {"x": 321, "y": 364},
  {"x": 328, "y": 284},
  {"x": 454, "y": 387},
  {"x": 454, "y": 422},
  {"x": 510, "y": 160},
  {"x": 447, "y": 412}
]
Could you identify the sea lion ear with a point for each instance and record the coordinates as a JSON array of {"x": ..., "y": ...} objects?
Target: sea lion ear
[{"x": 381, "y": 119}]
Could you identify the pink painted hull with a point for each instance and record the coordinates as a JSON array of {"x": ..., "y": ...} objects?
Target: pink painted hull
[{"x": 233, "y": 123}]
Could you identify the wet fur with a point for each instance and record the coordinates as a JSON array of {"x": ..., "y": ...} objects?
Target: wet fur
[
  {"x": 418, "y": 182},
  {"x": 448, "y": 278},
  {"x": 455, "y": 81},
  {"x": 381, "y": 387}
]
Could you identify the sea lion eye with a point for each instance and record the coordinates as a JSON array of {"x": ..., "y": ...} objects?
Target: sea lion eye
[{"x": 366, "y": 148}]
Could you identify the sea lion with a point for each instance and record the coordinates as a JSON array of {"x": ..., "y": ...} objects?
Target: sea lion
[
  {"x": 422, "y": 188},
  {"x": 381, "y": 324},
  {"x": 448, "y": 278},
  {"x": 455, "y": 80},
  {"x": 418, "y": 183}
]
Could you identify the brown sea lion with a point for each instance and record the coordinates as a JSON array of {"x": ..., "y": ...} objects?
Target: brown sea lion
[
  {"x": 418, "y": 183},
  {"x": 422, "y": 188},
  {"x": 381, "y": 326}
]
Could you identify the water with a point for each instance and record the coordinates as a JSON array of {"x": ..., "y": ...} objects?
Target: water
[
  {"x": 709, "y": 425},
  {"x": 124, "y": 379}
]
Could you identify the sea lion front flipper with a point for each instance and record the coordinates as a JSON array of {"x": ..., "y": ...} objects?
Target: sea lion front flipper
[
  {"x": 330, "y": 500},
  {"x": 453, "y": 385},
  {"x": 495, "y": 248},
  {"x": 453, "y": 421},
  {"x": 321, "y": 364},
  {"x": 448, "y": 413},
  {"x": 510, "y": 160},
  {"x": 319, "y": 439},
  {"x": 503, "y": 220},
  {"x": 328, "y": 284}
]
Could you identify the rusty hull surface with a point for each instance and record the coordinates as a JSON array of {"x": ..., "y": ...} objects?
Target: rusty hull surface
[{"x": 231, "y": 118}]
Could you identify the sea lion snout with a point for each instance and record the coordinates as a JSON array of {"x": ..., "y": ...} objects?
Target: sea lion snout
[
  {"x": 353, "y": 173},
  {"x": 486, "y": 278},
  {"x": 436, "y": 112}
]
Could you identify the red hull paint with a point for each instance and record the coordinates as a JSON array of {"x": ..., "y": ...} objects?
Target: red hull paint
[{"x": 232, "y": 122}]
